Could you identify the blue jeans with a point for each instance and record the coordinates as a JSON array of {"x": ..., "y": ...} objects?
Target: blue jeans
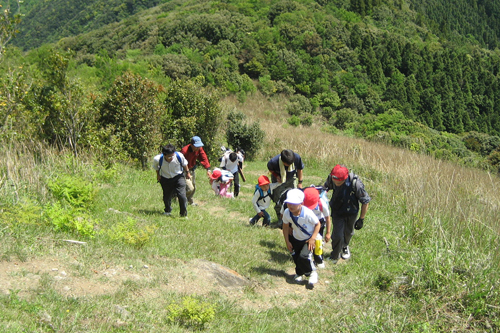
[{"x": 256, "y": 218}]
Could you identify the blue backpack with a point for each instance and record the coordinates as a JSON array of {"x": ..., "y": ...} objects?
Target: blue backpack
[
  {"x": 261, "y": 193},
  {"x": 176, "y": 154}
]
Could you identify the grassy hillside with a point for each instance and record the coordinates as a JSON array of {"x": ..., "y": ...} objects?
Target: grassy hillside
[{"x": 427, "y": 259}]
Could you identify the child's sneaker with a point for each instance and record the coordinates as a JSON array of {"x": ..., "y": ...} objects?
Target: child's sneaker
[
  {"x": 313, "y": 278},
  {"x": 298, "y": 278},
  {"x": 251, "y": 221},
  {"x": 322, "y": 265}
]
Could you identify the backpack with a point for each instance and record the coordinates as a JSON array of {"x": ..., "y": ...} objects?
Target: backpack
[
  {"x": 261, "y": 193},
  {"x": 176, "y": 154}
]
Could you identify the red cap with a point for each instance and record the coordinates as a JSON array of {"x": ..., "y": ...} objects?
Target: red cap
[
  {"x": 311, "y": 198},
  {"x": 339, "y": 172},
  {"x": 263, "y": 180},
  {"x": 216, "y": 174}
]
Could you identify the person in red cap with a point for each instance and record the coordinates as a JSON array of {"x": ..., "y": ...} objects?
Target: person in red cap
[
  {"x": 348, "y": 192},
  {"x": 261, "y": 200},
  {"x": 319, "y": 206},
  {"x": 194, "y": 152},
  {"x": 220, "y": 181}
]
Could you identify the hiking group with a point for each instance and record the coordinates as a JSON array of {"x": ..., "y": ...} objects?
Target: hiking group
[{"x": 306, "y": 216}]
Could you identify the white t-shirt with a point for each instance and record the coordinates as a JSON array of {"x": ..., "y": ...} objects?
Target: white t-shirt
[
  {"x": 306, "y": 219},
  {"x": 265, "y": 202},
  {"x": 172, "y": 169},
  {"x": 228, "y": 164}
]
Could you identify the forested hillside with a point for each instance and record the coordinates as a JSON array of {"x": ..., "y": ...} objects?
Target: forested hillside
[
  {"x": 459, "y": 20},
  {"x": 381, "y": 70},
  {"x": 48, "y": 21}
]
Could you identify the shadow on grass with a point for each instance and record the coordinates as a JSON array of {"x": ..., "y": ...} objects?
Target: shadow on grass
[
  {"x": 280, "y": 257},
  {"x": 150, "y": 212},
  {"x": 269, "y": 245},
  {"x": 269, "y": 271},
  {"x": 289, "y": 278}
]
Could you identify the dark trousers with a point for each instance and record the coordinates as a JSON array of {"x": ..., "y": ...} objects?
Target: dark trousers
[
  {"x": 343, "y": 230},
  {"x": 265, "y": 222},
  {"x": 302, "y": 265},
  {"x": 174, "y": 186},
  {"x": 236, "y": 182},
  {"x": 278, "y": 191}
]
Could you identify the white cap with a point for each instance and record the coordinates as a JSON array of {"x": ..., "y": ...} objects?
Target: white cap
[{"x": 295, "y": 197}]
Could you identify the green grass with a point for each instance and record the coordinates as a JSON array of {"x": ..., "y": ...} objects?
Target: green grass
[{"x": 407, "y": 273}]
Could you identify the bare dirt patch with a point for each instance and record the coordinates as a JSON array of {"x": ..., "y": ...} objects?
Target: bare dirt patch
[{"x": 196, "y": 277}]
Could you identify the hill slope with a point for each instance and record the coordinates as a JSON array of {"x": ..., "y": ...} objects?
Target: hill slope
[{"x": 426, "y": 260}]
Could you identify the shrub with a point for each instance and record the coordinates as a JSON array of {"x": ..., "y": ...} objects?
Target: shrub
[
  {"x": 306, "y": 120},
  {"x": 239, "y": 134},
  {"x": 129, "y": 232},
  {"x": 299, "y": 104},
  {"x": 294, "y": 121},
  {"x": 131, "y": 111},
  {"x": 25, "y": 212},
  {"x": 76, "y": 192},
  {"x": 191, "y": 313},
  {"x": 344, "y": 117},
  {"x": 192, "y": 109},
  {"x": 70, "y": 220},
  {"x": 267, "y": 86}
]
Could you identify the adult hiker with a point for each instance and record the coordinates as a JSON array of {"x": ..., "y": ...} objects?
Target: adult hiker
[
  {"x": 285, "y": 168},
  {"x": 348, "y": 192},
  {"x": 170, "y": 168},
  {"x": 194, "y": 152}
]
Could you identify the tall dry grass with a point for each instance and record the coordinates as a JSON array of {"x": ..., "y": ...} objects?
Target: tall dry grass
[
  {"x": 461, "y": 204},
  {"x": 26, "y": 167}
]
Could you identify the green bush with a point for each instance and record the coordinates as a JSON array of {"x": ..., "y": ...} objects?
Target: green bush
[
  {"x": 129, "y": 232},
  {"x": 25, "y": 212},
  {"x": 191, "y": 313},
  {"x": 250, "y": 137},
  {"x": 76, "y": 192},
  {"x": 71, "y": 220},
  {"x": 344, "y": 117},
  {"x": 298, "y": 105},
  {"x": 192, "y": 109},
  {"x": 294, "y": 121},
  {"x": 131, "y": 112},
  {"x": 306, "y": 120}
]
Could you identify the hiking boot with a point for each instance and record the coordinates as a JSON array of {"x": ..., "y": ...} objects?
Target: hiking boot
[
  {"x": 346, "y": 253},
  {"x": 313, "y": 278},
  {"x": 298, "y": 278}
]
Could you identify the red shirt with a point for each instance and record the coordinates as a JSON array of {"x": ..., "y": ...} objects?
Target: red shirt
[{"x": 191, "y": 156}]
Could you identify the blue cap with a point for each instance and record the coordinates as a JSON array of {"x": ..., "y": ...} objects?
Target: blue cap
[{"x": 196, "y": 141}]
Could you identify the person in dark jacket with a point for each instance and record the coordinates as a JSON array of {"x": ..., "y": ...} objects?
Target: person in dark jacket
[
  {"x": 286, "y": 168},
  {"x": 348, "y": 192}
]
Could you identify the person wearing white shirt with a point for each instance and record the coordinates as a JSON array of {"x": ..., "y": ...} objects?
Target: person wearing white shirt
[
  {"x": 231, "y": 162},
  {"x": 261, "y": 200},
  {"x": 170, "y": 168},
  {"x": 301, "y": 241}
]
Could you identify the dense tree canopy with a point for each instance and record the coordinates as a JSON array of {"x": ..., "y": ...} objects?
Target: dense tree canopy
[{"x": 346, "y": 61}]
